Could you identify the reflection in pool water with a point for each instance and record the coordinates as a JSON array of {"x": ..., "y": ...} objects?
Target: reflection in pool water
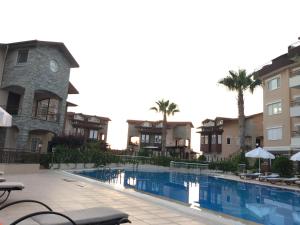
[{"x": 258, "y": 203}]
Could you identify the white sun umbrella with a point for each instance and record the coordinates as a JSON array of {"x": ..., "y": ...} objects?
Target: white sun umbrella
[
  {"x": 259, "y": 153},
  {"x": 5, "y": 118},
  {"x": 295, "y": 157}
]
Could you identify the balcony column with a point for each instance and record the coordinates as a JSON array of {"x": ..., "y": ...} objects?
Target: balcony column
[
  {"x": 27, "y": 103},
  {"x": 22, "y": 140},
  {"x": 61, "y": 115}
]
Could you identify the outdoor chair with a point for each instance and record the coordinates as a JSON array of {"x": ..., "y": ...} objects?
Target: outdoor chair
[
  {"x": 7, "y": 187},
  {"x": 265, "y": 177},
  {"x": 249, "y": 175},
  {"x": 291, "y": 180},
  {"x": 288, "y": 181},
  {"x": 89, "y": 216},
  {"x": 274, "y": 180}
]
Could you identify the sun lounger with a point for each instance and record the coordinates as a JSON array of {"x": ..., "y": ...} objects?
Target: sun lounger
[
  {"x": 249, "y": 175},
  {"x": 291, "y": 180},
  {"x": 265, "y": 177},
  {"x": 274, "y": 180},
  {"x": 89, "y": 216},
  {"x": 6, "y": 188}
]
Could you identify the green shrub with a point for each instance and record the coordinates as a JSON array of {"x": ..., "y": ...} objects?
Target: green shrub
[
  {"x": 227, "y": 166},
  {"x": 202, "y": 158},
  {"x": 283, "y": 166},
  {"x": 161, "y": 160},
  {"x": 144, "y": 152}
]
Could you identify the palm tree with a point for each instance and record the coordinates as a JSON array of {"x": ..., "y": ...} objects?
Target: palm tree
[
  {"x": 167, "y": 109},
  {"x": 240, "y": 82}
]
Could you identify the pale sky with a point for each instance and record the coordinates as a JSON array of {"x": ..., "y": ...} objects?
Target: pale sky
[{"x": 133, "y": 53}]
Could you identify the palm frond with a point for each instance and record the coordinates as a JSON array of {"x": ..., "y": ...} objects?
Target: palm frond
[{"x": 154, "y": 108}]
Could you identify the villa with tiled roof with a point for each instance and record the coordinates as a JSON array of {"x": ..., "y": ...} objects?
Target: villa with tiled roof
[{"x": 143, "y": 134}]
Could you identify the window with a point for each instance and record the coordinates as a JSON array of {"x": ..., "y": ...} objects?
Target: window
[
  {"x": 205, "y": 139},
  {"x": 80, "y": 131},
  {"x": 102, "y": 137},
  {"x": 219, "y": 139},
  {"x": 146, "y": 124},
  {"x": 145, "y": 138},
  {"x": 93, "y": 134},
  {"x": 202, "y": 140},
  {"x": 213, "y": 139},
  {"x": 157, "y": 139},
  {"x": 78, "y": 117},
  {"x": 47, "y": 109},
  {"x": 228, "y": 140},
  {"x": 274, "y": 133},
  {"x": 36, "y": 144},
  {"x": 160, "y": 125},
  {"x": 94, "y": 119},
  {"x": 22, "y": 56},
  {"x": 274, "y": 108},
  {"x": 273, "y": 83}
]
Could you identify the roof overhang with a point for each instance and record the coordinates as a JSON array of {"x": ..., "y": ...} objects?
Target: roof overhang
[{"x": 34, "y": 43}]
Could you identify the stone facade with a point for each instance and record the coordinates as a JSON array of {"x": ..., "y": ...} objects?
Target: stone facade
[{"x": 27, "y": 87}]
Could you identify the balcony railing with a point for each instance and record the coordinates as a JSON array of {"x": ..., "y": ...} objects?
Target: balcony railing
[
  {"x": 17, "y": 111},
  {"x": 9, "y": 155},
  {"x": 52, "y": 117}
]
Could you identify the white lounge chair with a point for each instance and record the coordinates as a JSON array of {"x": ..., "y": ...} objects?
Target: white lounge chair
[
  {"x": 265, "y": 177},
  {"x": 89, "y": 216},
  {"x": 249, "y": 175},
  {"x": 7, "y": 187}
]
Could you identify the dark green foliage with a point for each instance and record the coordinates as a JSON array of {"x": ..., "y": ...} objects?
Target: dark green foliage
[
  {"x": 161, "y": 160},
  {"x": 283, "y": 166},
  {"x": 226, "y": 166},
  {"x": 99, "y": 145},
  {"x": 230, "y": 165},
  {"x": 144, "y": 152},
  {"x": 202, "y": 158},
  {"x": 67, "y": 141}
]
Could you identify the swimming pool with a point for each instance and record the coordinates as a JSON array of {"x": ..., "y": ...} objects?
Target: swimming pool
[{"x": 258, "y": 203}]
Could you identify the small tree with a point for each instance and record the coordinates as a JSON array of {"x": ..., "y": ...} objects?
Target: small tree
[{"x": 283, "y": 166}]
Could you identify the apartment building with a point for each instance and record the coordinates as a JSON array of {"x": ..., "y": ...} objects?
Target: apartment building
[
  {"x": 88, "y": 126},
  {"x": 281, "y": 97},
  {"x": 219, "y": 137},
  {"x": 34, "y": 86},
  {"x": 148, "y": 135}
]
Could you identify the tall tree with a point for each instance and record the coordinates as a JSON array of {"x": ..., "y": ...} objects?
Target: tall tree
[
  {"x": 167, "y": 109},
  {"x": 240, "y": 82}
]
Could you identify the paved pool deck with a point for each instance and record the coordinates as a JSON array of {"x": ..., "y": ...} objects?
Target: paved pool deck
[{"x": 63, "y": 191}]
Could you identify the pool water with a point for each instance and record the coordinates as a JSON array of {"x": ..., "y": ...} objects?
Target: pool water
[{"x": 258, "y": 203}]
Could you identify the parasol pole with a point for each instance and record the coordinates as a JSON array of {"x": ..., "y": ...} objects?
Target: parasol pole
[{"x": 259, "y": 165}]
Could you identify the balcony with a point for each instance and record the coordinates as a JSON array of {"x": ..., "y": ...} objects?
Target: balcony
[
  {"x": 294, "y": 81},
  {"x": 295, "y": 108},
  {"x": 295, "y": 139},
  {"x": 85, "y": 124}
]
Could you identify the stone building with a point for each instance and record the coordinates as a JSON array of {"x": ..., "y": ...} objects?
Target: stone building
[
  {"x": 34, "y": 86},
  {"x": 147, "y": 135},
  {"x": 88, "y": 126},
  {"x": 219, "y": 138}
]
